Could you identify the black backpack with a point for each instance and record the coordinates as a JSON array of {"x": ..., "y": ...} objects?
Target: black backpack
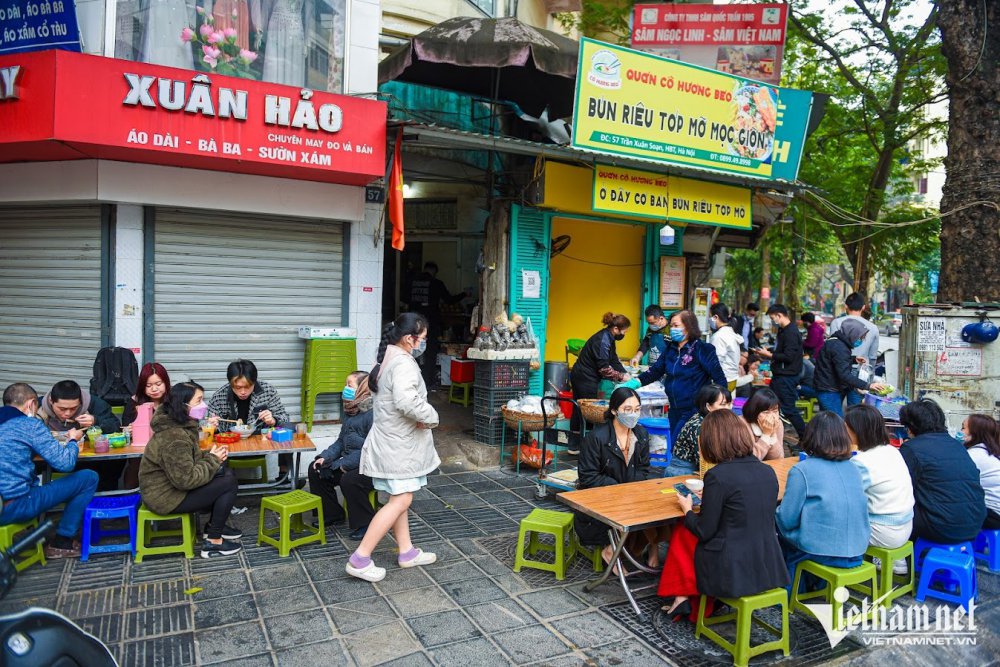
[{"x": 116, "y": 374}]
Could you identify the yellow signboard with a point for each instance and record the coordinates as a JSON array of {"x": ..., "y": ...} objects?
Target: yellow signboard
[
  {"x": 706, "y": 203},
  {"x": 630, "y": 192},
  {"x": 638, "y": 104}
]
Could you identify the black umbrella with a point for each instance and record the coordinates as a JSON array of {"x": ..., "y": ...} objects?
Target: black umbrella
[{"x": 500, "y": 59}]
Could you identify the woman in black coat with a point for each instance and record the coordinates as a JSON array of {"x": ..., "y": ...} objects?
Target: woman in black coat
[
  {"x": 615, "y": 452},
  {"x": 732, "y": 544}
]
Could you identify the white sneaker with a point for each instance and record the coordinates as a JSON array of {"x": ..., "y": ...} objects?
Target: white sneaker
[
  {"x": 421, "y": 558},
  {"x": 899, "y": 567},
  {"x": 370, "y": 572}
]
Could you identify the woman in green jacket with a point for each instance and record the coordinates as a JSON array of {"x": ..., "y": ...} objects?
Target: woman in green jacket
[{"x": 175, "y": 476}]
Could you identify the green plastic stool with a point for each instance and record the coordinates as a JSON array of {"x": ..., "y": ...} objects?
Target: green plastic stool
[
  {"x": 372, "y": 498},
  {"x": 289, "y": 507},
  {"x": 835, "y": 577},
  {"x": 465, "y": 398},
  {"x": 806, "y": 408},
  {"x": 247, "y": 462},
  {"x": 550, "y": 522},
  {"x": 743, "y": 609},
  {"x": 593, "y": 555},
  {"x": 890, "y": 585},
  {"x": 29, "y": 558},
  {"x": 145, "y": 535}
]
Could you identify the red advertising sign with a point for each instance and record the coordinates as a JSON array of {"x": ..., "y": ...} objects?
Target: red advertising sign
[
  {"x": 56, "y": 105},
  {"x": 744, "y": 40}
]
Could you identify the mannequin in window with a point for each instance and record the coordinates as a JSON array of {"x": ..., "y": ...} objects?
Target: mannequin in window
[{"x": 161, "y": 41}]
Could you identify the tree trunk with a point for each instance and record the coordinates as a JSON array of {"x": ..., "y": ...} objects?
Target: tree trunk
[
  {"x": 970, "y": 238},
  {"x": 493, "y": 279}
]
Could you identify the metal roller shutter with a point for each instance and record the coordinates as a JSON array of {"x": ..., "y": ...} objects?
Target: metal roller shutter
[
  {"x": 231, "y": 285},
  {"x": 50, "y": 294}
]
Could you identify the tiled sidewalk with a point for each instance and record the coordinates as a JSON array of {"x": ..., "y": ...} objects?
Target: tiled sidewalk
[{"x": 468, "y": 609}]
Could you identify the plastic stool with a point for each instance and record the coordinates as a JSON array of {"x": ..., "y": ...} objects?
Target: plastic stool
[
  {"x": 549, "y": 522},
  {"x": 592, "y": 554},
  {"x": 103, "y": 508},
  {"x": 743, "y": 609},
  {"x": 466, "y": 396},
  {"x": 959, "y": 567},
  {"x": 922, "y": 546},
  {"x": 890, "y": 584},
  {"x": 835, "y": 577},
  {"x": 289, "y": 508},
  {"x": 987, "y": 549},
  {"x": 247, "y": 462},
  {"x": 144, "y": 536},
  {"x": 806, "y": 408},
  {"x": 372, "y": 498},
  {"x": 29, "y": 557}
]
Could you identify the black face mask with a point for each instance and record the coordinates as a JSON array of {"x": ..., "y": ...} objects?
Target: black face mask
[{"x": 619, "y": 336}]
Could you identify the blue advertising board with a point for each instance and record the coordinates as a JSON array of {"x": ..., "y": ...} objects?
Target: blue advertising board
[{"x": 35, "y": 25}]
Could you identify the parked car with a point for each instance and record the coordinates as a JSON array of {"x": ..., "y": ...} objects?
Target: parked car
[{"x": 894, "y": 324}]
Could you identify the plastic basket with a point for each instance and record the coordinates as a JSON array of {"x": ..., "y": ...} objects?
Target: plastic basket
[
  {"x": 488, "y": 430},
  {"x": 528, "y": 421},
  {"x": 888, "y": 407},
  {"x": 489, "y": 401},
  {"x": 502, "y": 374}
]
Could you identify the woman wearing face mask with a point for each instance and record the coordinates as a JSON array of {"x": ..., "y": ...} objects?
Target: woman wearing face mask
[
  {"x": 761, "y": 413},
  {"x": 727, "y": 343},
  {"x": 834, "y": 376},
  {"x": 175, "y": 476},
  {"x": 338, "y": 465},
  {"x": 398, "y": 453},
  {"x": 598, "y": 368},
  {"x": 687, "y": 365},
  {"x": 981, "y": 436},
  {"x": 612, "y": 453}
]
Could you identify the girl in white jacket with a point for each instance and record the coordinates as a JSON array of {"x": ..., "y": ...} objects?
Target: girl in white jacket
[
  {"x": 399, "y": 451},
  {"x": 727, "y": 343}
]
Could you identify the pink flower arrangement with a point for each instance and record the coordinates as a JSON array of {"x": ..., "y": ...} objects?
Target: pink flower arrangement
[
  {"x": 247, "y": 56},
  {"x": 220, "y": 52},
  {"x": 230, "y": 33},
  {"x": 187, "y": 34},
  {"x": 204, "y": 30}
]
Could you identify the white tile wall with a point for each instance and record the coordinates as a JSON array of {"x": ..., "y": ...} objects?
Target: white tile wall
[
  {"x": 128, "y": 278},
  {"x": 362, "y": 56},
  {"x": 366, "y": 271}
]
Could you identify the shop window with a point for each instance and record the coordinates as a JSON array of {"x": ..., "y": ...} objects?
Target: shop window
[
  {"x": 488, "y": 7},
  {"x": 922, "y": 185},
  {"x": 293, "y": 42}
]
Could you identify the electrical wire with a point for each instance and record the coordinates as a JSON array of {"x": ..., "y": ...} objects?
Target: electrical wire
[
  {"x": 982, "y": 49},
  {"x": 591, "y": 261}
]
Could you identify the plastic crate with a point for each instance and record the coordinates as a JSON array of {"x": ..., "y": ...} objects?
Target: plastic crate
[
  {"x": 889, "y": 408},
  {"x": 463, "y": 370},
  {"x": 488, "y": 430},
  {"x": 489, "y": 401},
  {"x": 502, "y": 374}
]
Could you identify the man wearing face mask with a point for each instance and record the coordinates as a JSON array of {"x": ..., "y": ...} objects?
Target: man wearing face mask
[
  {"x": 654, "y": 342},
  {"x": 786, "y": 365},
  {"x": 727, "y": 343},
  {"x": 598, "y": 368},
  {"x": 834, "y": 377},
  {"x": 22, "y": 497}
]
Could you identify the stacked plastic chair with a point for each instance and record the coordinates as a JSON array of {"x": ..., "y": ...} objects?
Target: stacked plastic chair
[{"x": 325, "y": 367}]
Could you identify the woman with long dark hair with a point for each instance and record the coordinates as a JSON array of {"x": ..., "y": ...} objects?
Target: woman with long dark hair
[
  {"x": 175, "y": 476},
  {"x": 761, "y": 413},
  {"x": 151, "y": 391},
  {"x": 398, "y": 453},
  {"x": 981, "y": 435}
]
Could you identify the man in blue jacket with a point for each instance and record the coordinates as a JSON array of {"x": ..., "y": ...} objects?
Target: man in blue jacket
[
  {"x": 950, "y": 505},
  {"x": 22, "y": 436}
]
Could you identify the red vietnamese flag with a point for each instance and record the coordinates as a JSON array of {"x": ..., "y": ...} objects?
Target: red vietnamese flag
[{"x": 396, "y": 195}]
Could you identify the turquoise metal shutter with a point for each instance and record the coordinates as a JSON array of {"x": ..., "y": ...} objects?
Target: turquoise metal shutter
[{"x": 530, "y": 240}]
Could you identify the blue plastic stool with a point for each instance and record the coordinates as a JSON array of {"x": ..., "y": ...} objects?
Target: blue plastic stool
[
  {"x": 659, "y": 426},
  {"x": 922, "y": 546},
  {"x": 988, "y": 549},
  {"x": 959, "y": 568},
  {"x": 109, "y": 507}
]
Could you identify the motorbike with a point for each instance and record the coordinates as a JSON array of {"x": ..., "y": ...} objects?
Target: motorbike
[{"x": 39, "y": 637}]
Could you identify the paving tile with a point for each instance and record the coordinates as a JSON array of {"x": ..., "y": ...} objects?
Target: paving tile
[
  {"x": 445, "y": 491},
  {"x": 354, "y": 615},
  {"x": 330, "y": 652},
  {"x": 234, "y": 641},
  {"x": 465, "y": 502},
  {"x": 225, "y": 584},
  {"x": 152, "y": 570},
  {"x": 468, "y": 477},
  {"x": 575, "y": 659},
  {"x": 157, "y": 620},
  {"x": 473, "y": 591},
  {"x": 552, "y": 602},
  {"x": 371, "y": 646},
  {"x": 589, "y": 630},
  {"x": 478, "y": 652},
  {"x": 223, "y": 611},
  {"x": 172, "y": 651},
  {"x": 91, "y": 603},
  {"x": 457, "y": 571},
  {"x": 336, "y": 591},
  {"x": 290, "y": 630},
  {"x": 264, "y": 578},
  {"x": 608, "y": 593},
  {"x": 107, "y": 628},
  {"x": 262, "y": 660},
  {"x": 411, "y": 660},
  {"x": 426, "y": 504},
  {"x": 632, "y": 653},
  {"x": 491, "y": 566},
  {"x": 498, "y": 496},
  {"x": 512, "y": 583},
  {"x": 397, "y": 579},
  {"x": 443, "y": 628},
  {"x": 158, "y": 593},
  {"x": 420, "y": 601},
  {"x": 324, "y": 569},
  {"x": 530, "y": 644},
  {"x": 469, "y": 546},
  {"x": 445, "y": 551},
  {"x": 285, "y": 600},
  {"x": 98, "y": 572},
  {"x": 500, "y": 615}
]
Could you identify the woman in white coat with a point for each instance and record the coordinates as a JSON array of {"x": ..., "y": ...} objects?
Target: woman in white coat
[{"x": 399, "y": 450}]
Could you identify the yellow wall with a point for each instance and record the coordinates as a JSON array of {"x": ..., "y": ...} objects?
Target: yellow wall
[{"x": 581, "y": 292}]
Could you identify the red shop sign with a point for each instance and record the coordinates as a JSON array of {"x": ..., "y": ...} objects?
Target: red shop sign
[{"x": 57, "y": 105}]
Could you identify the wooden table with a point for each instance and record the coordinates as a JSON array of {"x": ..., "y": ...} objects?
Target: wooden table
[
  {"x": 631, "y": 507},
  {"x": 255, "y": 445}
]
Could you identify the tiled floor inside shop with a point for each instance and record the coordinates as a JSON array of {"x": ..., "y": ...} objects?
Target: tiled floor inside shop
[{"x": 469, "y": 608}]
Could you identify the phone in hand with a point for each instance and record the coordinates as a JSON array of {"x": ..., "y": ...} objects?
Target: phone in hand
[{"x": 684, "y": 491}]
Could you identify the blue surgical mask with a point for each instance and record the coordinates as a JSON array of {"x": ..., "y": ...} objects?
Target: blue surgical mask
[
  {"x": 419, "y": 349},
  {"x": 676, "y": 334},
  {"x": 858, "y": 343},
  {"x": 655, "y": 327},
  {"x": 348, "y": 393},
  {"x": 628, "y": 421},
  {"x": 960, "y": 436},
  {"x": 713, "y": 325}
]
